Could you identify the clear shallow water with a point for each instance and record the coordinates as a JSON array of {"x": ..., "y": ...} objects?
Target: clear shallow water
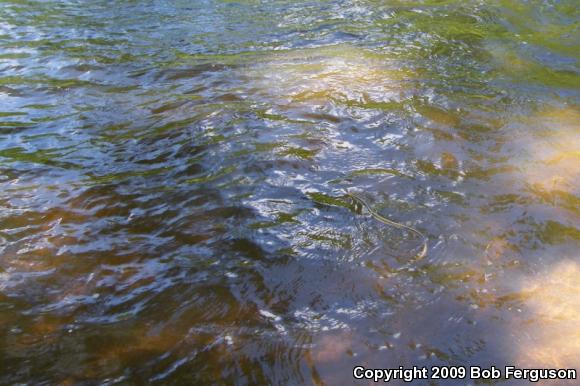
[{"x": 172, "y": 180}]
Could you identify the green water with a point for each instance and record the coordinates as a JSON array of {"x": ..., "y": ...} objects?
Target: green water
[{"x": 173, "y": 177}]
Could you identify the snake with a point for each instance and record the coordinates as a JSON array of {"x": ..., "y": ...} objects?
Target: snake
[{"x": 392, "y": 223}]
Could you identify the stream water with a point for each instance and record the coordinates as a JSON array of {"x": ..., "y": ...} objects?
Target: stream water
[{"x": 173, "y": 177}]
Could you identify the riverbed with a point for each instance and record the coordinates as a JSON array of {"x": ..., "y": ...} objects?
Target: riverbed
[{"x": 173, "y": 179}]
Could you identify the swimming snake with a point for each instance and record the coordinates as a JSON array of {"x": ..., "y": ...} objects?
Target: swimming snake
[{"x": 385, "y": 220}]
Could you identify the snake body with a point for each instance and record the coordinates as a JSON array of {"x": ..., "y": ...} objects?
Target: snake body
[{"x": 385, "y": 220}]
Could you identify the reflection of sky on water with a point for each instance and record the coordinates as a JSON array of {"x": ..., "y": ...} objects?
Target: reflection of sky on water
[
  {"x": 168, "y": 212},
  {"x": 340, "y": 73}
]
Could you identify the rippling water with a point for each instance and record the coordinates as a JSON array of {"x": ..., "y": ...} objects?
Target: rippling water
[{"x": 173, "y": 176}]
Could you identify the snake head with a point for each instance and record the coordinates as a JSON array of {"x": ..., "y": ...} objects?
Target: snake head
[{"x": 356, "y": 203}]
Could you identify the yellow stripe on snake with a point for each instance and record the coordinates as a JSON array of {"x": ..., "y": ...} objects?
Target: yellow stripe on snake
[{"x": 385, "y": 220}]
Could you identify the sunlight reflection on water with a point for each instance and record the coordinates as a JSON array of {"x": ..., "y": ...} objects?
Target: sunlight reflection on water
[{"x": 173, "y": 175}]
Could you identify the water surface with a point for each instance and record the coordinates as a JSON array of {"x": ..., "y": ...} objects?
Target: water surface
[{"x": 173, "y": 176}]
